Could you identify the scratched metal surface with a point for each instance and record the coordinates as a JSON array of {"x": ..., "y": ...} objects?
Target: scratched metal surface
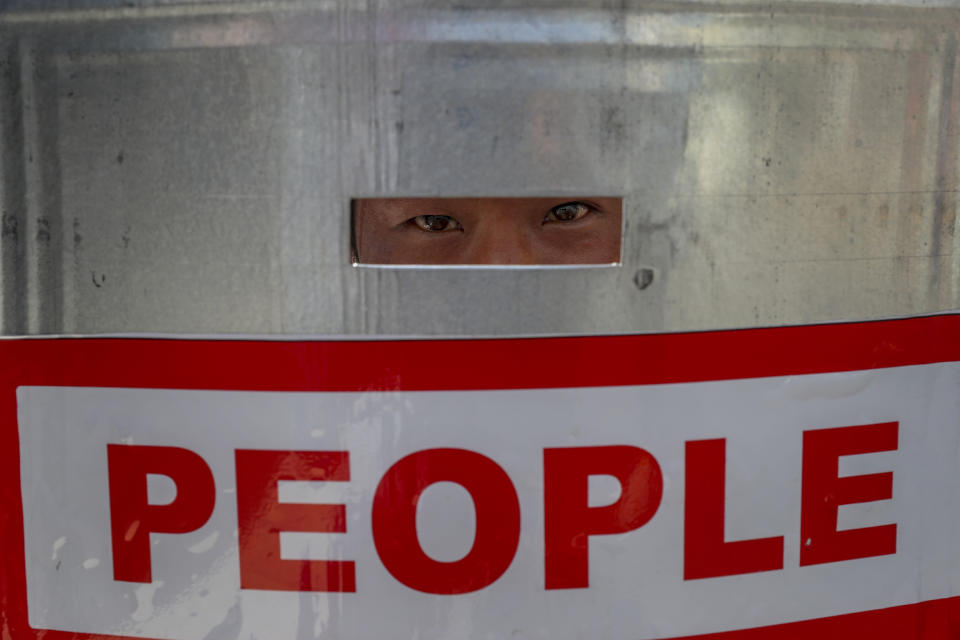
[{"x": 188, "y": 167}]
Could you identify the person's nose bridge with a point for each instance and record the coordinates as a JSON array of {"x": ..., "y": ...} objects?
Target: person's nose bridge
[{"x": 502, "y": 241}]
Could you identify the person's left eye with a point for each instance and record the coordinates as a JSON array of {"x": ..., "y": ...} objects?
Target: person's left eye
[{"x": 567, "y": 212}]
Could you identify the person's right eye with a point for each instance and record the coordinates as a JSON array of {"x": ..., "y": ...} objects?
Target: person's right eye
[{"x": 435, "y": 223}]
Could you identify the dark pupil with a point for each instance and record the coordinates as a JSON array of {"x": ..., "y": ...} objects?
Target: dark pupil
[
  {"x": 436, "y": 223},
  {"x": 565, "y": 212}
]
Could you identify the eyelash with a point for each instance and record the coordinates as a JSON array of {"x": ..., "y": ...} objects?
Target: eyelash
[{"x": 447, "y": 223}]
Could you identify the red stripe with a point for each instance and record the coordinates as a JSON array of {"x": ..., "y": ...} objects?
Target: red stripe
[
  {"x": 931, "y": 620},
  {"x": 469, "y": 364},
  {"x": 523, "y": 363}
]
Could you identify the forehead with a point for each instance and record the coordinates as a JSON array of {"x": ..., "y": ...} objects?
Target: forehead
[{"x": 425, "y": 205}]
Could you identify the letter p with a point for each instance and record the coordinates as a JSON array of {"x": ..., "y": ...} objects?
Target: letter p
[
  {"x": 133, "y": 519},
  {"x": 570, "y": 521}
]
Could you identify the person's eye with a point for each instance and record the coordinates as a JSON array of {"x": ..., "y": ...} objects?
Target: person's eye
[
  {"x": 436, "y": 223},
  {"x": 567, "y": 212}
]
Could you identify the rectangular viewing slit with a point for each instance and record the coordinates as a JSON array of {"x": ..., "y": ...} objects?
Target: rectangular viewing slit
[{"x": 487, "y": 232}]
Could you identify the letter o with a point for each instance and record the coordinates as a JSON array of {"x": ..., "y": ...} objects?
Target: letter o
[{"x": 395, "y": 521}]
